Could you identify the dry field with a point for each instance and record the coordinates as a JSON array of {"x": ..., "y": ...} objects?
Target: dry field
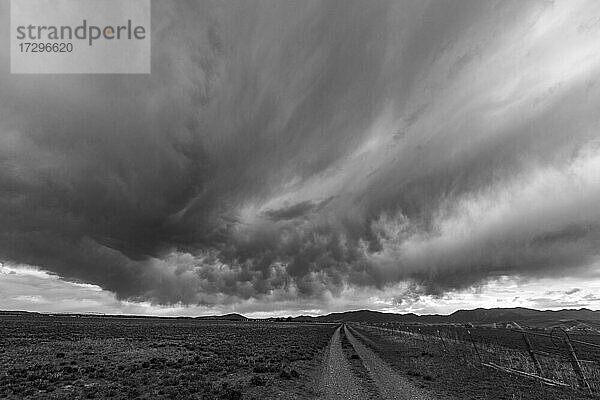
[
  {"x": 47, "y": 357},
  {"x": 453, "y": 370}
]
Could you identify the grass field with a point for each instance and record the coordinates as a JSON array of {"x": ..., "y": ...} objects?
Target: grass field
[
  {"x": 102, "y": 357},
  {"x": 452, "y": 368},
  {"x": 87, "y": 357},
  {"x": 511, "y": 339}
]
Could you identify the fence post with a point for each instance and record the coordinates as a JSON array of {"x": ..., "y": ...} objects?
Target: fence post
[
  {"x": 474, "y": 346},
  {"x": 442, "y": 339},
  {"x": 536, "y": 363},
  {"x": 581, "y": 381}
]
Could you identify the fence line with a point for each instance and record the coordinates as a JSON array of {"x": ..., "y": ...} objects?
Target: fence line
[{"x": 546, "y": 367}]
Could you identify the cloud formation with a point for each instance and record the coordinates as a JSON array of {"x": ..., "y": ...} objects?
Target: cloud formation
[{"x": 284, "y": 152}]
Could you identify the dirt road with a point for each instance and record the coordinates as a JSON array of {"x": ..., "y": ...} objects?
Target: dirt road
[
  {"x": 391, "y": 385},
  {"x": 339, "y": 382}
]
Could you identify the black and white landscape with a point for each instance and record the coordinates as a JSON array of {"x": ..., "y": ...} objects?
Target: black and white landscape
[{"x": 435, "y": 164}]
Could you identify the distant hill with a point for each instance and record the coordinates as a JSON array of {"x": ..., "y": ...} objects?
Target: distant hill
[
  {"x": 367, "y": 316},
  {"x": 522, "y": 316},
  {"x": 226, "y": 317}
]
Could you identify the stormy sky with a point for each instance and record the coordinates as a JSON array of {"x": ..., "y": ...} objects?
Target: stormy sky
[{"x": 312, "y": 155}]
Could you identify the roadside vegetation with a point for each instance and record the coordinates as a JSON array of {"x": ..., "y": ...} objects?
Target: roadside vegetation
[{"x": 118, "y": 358}]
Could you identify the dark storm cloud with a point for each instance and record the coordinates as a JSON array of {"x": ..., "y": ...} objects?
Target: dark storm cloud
[
  {"x": 302, "y": 209},
  {"x": 285, "y": 150},
  {"x": 291, "y": 212}
]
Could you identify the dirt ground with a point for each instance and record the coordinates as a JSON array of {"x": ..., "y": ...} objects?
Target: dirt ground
[
  {"x": 45, "y": 357},
  {"x": 453, "y": 377},
  {"x": 110, "y": 358}
]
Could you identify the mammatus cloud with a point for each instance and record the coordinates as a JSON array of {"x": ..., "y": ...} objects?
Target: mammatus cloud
[{"x": 284, "y": 152}]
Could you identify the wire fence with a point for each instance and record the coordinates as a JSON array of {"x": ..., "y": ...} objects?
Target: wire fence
[{"x": 554, "y": 357}]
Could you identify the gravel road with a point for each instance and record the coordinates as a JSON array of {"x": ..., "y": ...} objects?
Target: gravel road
[
  {"x": 338, "y": 381},
  {"x": 391, "y": 385}
]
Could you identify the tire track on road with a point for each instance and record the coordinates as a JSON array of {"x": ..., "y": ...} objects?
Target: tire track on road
[
  {"x": 391, "y": 385},
  {"x": 338, "y": 381}
]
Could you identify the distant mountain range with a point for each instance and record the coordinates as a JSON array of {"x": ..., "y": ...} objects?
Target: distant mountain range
[{"x": 522, "y": 316}]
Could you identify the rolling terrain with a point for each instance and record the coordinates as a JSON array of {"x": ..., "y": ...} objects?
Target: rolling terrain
[
  {"x": 353, "y": 355},
  {"x": 522, "y": 316}
]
